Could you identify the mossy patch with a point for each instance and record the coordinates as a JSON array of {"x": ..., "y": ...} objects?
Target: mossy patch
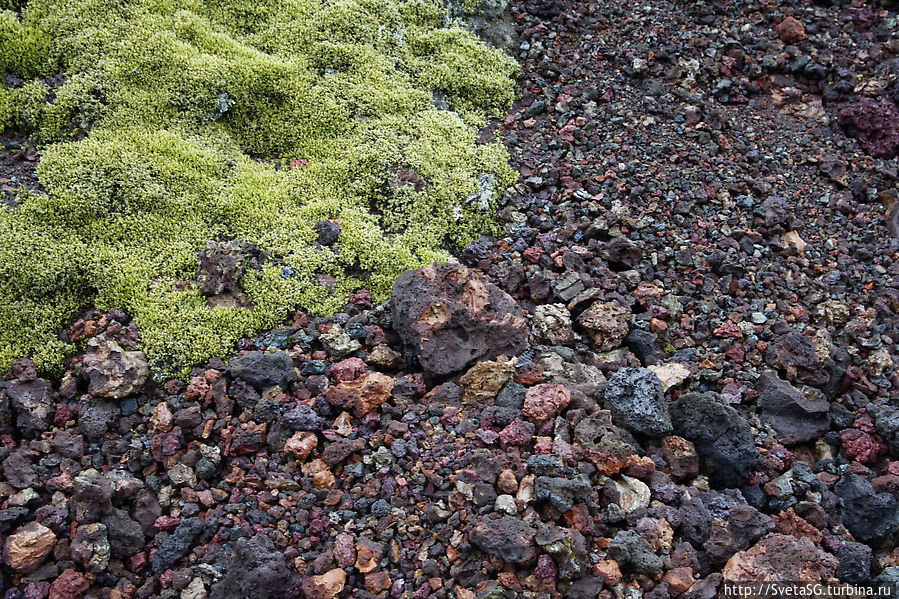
[{"x": 160, "y": 137}]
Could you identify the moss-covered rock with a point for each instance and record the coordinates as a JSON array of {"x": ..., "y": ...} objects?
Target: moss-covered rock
[{"x": 180, "y": 123}]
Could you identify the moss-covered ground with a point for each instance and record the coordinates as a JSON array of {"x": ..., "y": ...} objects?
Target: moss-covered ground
[{"x": 181, "y": 122}]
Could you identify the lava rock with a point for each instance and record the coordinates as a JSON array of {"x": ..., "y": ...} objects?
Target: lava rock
[
  {"x": 744, "y": 526},
  {"x": 855, "y": 562},
  {"x": 871, "y": 517},
  {"x": 177, "y": 545},
  {"x": 886, "y": 422},
  {"x": 264, "y": 370},
  {"x": 634, "y": 554},
  {"x": 126, "y": 537},
  {"x": 507, "y": 537},
  {"x": 875, "y": 124},
  {"x": 722, "y": 436},
  {"x": 256, "y": 564},
  {"x": 794, "y": 417},
  {"x": 113, "y": 372},
  {"x": 635, "y": 398},
  {"x": 27, "y": 548},
  {"x": 781, "y": 558},
  {"x": 32, "y": 404},
  {"x": 452, "y": 317},
  {"x": 607, "y": 323}
]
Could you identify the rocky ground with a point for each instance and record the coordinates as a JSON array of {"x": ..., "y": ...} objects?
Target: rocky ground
[{"x": 676, "y": 370}]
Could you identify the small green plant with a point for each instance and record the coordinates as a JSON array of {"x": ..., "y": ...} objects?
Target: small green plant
[{"x": 160, "y": 137}]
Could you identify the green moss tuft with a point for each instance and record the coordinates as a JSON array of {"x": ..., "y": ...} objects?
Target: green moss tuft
[{"x": 154, "y": 146}]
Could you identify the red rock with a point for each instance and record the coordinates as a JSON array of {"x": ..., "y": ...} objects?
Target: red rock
[
  {"x": 861, "y": 446},
  {"x": 518, "y": 433},
  {"x": 790, "y": 31},
  {"x": 345, "y": 550},
  {"x": 529, "y": 374},
  {"x": 69, "y": 585},
  {"x": 138, "y": 562},
  {"x": 361, "y": 299},
  {"x": 347, "y": 370},
  {"x": 790, "y": 523},
  {"x": 545, "y": 401}
]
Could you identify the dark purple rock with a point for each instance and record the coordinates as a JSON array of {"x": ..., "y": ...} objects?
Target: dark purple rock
[
  {"x": 874, "y": 124},
  {"x": 451, "y": 317}
]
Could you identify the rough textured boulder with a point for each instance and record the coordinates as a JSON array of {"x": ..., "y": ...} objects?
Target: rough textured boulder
[
  {"x": 635, "y": 398},
  {"x": 781, "y": 558},
  {"x": 871, "y": 517},
  {"x": 721, "y": 435},
  {"x": 256, "y": 565},
  {"x": 113, "y": 372},
  {"x": 794, "y": 417},
  {"x": 263, "y": 370},
  {"x": 452, "y": 317},
  {"x": 507, "y": 537}
]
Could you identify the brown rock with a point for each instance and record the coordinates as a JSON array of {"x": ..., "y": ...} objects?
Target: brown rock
[
  {"x": 681, "y": 457},
  {"x": 790, "y": 31},
  {"x": 781, "y": 558},
  {"x": 329, "y": 584},
  {"x": 69, "y": 585},
  {"x": 368, "y": 553},
  {"x": 790, "y": 523},
  {"x": 28, "y": 546},
  {"x": 545, "y": 401},
  {"x": 113, "y": 372},
  {"x": 484, "y": 380},
  {"x": 376, "y": 582},
  {"x": 301, "y": 444},
  {"x": 609, "y": 571},
  {"x": 607, "y": 323},
  {"x": 362, "y": 395},
  {"x": 451, "y": 317},
  {"x": 678, "y": 580}
]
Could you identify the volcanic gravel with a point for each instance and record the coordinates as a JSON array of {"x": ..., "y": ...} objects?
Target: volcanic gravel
[{"x": 676, "y": 370}]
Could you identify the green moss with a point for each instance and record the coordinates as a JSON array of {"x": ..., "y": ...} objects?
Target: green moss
[
  {"x": 154, "y": 143},
  {"x": 24, "y": 47}
]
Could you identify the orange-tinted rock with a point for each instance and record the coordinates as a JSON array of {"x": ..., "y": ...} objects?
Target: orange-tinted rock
[
  {"x": 377, "y": 582},
  {"x": 678, "y": 580},
  {"x": 28, "y": 546},
  {"x": 301, "y": 444},
  {"x": 362, "y": 395}
]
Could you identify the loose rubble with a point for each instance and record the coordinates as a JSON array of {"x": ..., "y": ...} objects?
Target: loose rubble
[{"x": 675, "y": 368}]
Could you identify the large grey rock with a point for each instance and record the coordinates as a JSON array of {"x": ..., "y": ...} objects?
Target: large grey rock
[
  {"x": 721, "y": 435},
  {"x": 635, "y": 398},
  {"x": 794, "y": 417}
]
